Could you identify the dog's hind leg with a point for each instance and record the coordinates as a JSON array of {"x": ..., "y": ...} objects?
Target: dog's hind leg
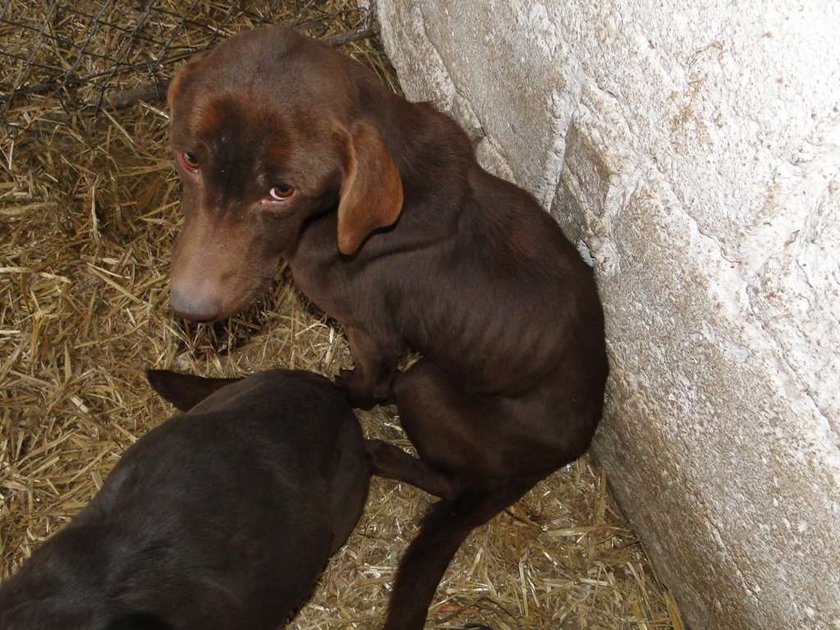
[
  {"x": 387, "y": 460},
  {"x": 489, "y": 450},
  {"x": 446, "y": 525},
  {"x": 482, "y": 436}
]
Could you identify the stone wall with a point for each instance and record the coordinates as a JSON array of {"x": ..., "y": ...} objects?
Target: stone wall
[{"x": 693, "y": 154}]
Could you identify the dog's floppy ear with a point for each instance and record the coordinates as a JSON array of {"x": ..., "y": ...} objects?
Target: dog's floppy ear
[
  {"x": 184, "y": 391},
  {"x": 371, "y": 191},
  {"x": 176, "y": 84}
]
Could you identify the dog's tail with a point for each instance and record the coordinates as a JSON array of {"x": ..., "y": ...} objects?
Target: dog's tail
[{"x": 445, "y": 526}]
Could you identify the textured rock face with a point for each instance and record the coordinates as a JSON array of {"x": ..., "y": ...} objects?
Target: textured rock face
[{"x": 694, "y": 155}]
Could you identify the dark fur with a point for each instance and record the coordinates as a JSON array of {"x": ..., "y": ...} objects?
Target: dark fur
[
  {"x": 471, "y": 273},
  {"x": 222, "y": 518}
]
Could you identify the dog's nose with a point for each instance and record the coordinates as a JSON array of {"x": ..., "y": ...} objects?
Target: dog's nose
[{"x": 195, "y": 306}]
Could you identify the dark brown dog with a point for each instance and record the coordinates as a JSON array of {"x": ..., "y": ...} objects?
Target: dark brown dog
[
  {"x": 222, "y": 518},
  {"x": 288, "y": 149}
]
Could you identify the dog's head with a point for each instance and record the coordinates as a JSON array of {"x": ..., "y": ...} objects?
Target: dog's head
[{"x": 267, "y": 133}]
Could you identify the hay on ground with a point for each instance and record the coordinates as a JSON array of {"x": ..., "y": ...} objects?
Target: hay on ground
[{"x": 88, "y": 211}]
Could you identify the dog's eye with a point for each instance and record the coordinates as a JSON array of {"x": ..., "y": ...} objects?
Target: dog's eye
[
  {"x": 190, "y": 161},
  {"x": 281, "y": 192}
]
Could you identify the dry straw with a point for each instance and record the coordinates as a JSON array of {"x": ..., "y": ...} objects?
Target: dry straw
[{"x": 88, "y": 210}]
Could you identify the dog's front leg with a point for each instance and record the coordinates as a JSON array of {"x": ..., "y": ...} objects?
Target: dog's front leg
[{"x": 374, "y": 365}]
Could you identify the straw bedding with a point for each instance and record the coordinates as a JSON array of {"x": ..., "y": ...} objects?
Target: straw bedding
[{"x": 88, "y": 211}]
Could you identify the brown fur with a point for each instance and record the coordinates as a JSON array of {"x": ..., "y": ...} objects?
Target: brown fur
[
  {"x": 221, "y": 518},
  {"x": 472, "y": 273}
]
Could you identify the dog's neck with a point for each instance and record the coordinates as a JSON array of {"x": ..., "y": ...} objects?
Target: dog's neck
[
  {"x": 432, "y": 152},
  {"x": 435, "y": 160}
]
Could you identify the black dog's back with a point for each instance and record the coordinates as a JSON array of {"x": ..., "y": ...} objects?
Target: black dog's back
[{"x": 220, "y": 518}]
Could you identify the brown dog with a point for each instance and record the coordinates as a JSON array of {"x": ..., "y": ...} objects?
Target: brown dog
[
  {"x": 220, "y": 519},
  {"x": 288, "y": 149}
]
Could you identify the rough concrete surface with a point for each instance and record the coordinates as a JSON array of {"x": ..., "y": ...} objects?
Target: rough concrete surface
[{"x": 693, "y": 152}]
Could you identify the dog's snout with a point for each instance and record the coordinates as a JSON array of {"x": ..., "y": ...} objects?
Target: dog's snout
[{"x": 194, "y": 305}]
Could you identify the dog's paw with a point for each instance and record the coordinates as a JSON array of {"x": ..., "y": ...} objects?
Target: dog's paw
[
  {"x": 352, "y": 383},
  {"x": 383, "y": 458},
  {"x": 350, "y": 379}
]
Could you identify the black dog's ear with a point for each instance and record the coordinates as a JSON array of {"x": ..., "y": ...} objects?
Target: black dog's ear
[
  {"x": 184, "y": 391},
  {"x": 138, "y": 621}
]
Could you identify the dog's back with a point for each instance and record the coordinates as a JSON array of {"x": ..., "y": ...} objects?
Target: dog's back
[{"x": 219, "y": 518}]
